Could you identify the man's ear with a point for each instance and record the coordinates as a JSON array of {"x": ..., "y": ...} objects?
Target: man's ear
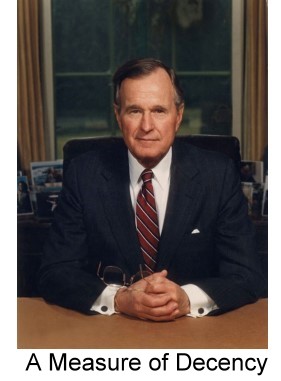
[
  {"x": 117, "y": 115},
  {"x": 179, "y": 116}
]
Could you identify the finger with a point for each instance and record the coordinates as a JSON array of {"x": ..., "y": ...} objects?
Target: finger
[
  {"x": 140, "y": 296},
  {"x": 159, "y": 276},
  {"x": 156, "y": 277},
  {"x": 142, "y": 284},
  {"x": 165, "y": 286},
  {"x": 154, "y": 300},
  {"x": 164, "y": 313},
  {"x": 151, "y": 307}
]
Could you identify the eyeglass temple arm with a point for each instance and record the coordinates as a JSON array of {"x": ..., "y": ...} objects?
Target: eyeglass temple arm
[{"x": 142, "y": 276}]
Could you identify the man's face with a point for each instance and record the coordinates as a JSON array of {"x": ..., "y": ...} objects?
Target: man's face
[{"x": 148, "y": 116}]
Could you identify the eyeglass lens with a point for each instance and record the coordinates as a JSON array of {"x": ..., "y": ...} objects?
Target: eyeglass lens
[{"x": 113, "y": 276}]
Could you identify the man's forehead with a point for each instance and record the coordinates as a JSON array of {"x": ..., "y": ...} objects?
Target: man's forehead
[{"x": 152, "y": 85}]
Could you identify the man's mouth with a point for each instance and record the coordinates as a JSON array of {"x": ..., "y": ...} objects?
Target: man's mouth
[{"x": 147, "y": 139}]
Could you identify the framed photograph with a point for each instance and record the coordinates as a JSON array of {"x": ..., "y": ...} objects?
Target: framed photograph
[
  {"x": 46, "y": 203},
  {"x": 251, "y": 172},
  {"x": 47, "y": 173},
  {"x": 24, "y": 205}
]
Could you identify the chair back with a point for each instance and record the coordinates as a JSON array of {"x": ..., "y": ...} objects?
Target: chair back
[{"x": 228, "y": 145}]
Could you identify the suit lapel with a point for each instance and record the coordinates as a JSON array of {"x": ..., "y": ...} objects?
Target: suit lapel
[
  {"x": 184, "y": 190},
  {"x": 115, "y": 195}
]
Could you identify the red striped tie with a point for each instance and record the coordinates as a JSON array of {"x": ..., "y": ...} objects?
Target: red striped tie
[{"x": 147, "y": 221}]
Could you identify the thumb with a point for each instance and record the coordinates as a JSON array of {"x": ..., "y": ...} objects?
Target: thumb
[{"x": 164, "y": 273}]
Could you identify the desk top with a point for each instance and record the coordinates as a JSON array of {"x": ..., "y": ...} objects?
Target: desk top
[{"x": 41, "y": 325}]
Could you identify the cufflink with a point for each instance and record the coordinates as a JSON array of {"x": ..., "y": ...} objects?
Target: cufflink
[
  {"x": 200, "y": 311},
  {"x": 104, "y": 308}
]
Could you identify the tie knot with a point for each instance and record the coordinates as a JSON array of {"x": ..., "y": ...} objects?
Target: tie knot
[{"x": 147, "y": 175}]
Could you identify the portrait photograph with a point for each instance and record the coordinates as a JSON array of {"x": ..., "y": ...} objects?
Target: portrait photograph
[{"x": 47, "y": 173}]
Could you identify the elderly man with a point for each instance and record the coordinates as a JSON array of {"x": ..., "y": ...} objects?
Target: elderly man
[{"x": 155, "y": 206}]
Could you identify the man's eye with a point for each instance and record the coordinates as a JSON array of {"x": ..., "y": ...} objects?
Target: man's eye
[
  {"x": 159, "y": 111},
  {"x": 134, "y": 111}
]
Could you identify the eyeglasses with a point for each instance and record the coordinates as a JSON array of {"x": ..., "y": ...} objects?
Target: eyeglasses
[{"x": 115, "y": 277}]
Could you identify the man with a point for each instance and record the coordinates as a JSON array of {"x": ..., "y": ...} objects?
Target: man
[{"x": 176, "y": 210}]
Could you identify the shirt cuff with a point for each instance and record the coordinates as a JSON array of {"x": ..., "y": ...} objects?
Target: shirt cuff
[
  {"x": 200, "y": 302},
  {"x": 104, "y": 304}
]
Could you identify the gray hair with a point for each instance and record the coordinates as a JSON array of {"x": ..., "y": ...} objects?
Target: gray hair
[{"x": 141, "y": 67}]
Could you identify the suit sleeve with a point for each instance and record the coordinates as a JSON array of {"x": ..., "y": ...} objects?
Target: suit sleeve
[
  {"x": 64, "y": 277},
  {"x": 239, "y": 279}
]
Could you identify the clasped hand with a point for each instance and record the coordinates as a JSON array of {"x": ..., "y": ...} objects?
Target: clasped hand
[{"x": 153, "y": 298}]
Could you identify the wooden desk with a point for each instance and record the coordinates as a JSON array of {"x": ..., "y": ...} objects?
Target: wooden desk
[{"x": 41, "y": 325}]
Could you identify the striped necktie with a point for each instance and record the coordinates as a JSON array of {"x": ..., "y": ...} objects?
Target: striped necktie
[{"x": 147, "y": 221}]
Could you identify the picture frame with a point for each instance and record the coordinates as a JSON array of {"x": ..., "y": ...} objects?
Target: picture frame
[
  {"x": 24, "y": 204},
  {"x": 46, "y": 203},
  {"x": 252, "y": 171},
  {"x": 47, "y": 173}
]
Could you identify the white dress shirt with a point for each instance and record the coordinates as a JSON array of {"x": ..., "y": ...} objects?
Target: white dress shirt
[{"x": 200, "y": 303}]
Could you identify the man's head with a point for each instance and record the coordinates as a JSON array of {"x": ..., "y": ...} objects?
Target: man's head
[{"x": 148, "y": 104}]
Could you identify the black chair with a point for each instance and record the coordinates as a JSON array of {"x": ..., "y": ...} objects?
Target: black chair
[{"x": 228, "y": 145}]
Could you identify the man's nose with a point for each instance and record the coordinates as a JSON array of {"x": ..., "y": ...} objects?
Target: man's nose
[{"x": 146, "y": 122}]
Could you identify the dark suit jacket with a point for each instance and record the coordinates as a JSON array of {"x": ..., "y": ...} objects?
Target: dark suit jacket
[{"x": 94, "y": 221}]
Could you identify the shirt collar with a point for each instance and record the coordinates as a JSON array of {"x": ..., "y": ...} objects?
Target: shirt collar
[{"x": 161, "y": 170}]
